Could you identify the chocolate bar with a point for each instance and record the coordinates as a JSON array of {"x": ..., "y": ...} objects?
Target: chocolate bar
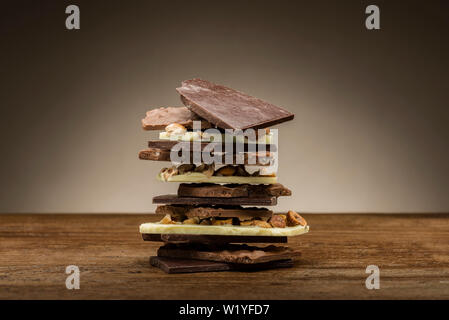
[
  {"x": 223, "y": 230},
  {"x": 198, "y": 177},
  {"x": 173, "y": 265},
  {"x": 228, "y": 108},
  {"x": 222, "y": 212},
  {"x": 231, "y": 253},
  {"x": 209, "y": 190},
  {"x": 169, "y": 144},
  {"x": 158, "y": 119},
  {"x": 252, "y": 158},
  {"x": 232, "y": 191},
  {"x": 243, "y": 201},
  {"x": 154, "y": 154},
  {"x": 204, "y": 238}
]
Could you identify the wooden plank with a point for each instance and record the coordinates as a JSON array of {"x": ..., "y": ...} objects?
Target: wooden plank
[{"x": 410, "y": 250}]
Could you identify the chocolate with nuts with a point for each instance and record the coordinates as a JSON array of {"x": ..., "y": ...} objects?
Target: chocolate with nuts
[
  {"x": 216, "y": 212},
  {"x": 208, "y": 190},
  {"x": 212, "y": 213}
]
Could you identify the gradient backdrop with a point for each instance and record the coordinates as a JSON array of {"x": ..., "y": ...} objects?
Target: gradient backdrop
[{"x": 371, "y": 127}]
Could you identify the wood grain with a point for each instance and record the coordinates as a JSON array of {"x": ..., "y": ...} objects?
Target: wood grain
[{"x": 412, "y": 252}]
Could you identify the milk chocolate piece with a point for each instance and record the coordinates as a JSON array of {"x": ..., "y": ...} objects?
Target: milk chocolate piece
[
  {"x": 172, "y": 265},
  {"x": 228, "y": 108},
  {"x": 219, "y": 212},
  {"x": 275, "y": 189},
  {"x": 168, "y": 144},
  {"x": 243, "y": 201},
  {"x": 156, "y": 154},
  {"x": 230, "y": 253},
  {"x": 208, "y": 190},
  {"x": 158, "y": 119},
  {"x": 212, "y": 239}
]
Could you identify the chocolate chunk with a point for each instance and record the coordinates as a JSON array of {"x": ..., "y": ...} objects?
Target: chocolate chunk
[
  {"x": 228, "y": 108},
  {"x": 158, "y": 119},
  {"x": 172, "y": 265},
  {"x": 208, "y": 190},
  {"x": 232, "y": 191},
  {"x": 243, "y": 201},
  {"x": 276, "y": 190},
  {"x": 212, "y": 239},
  {"x": 175, "y": 211},
  {"x": 168, "y": 144},
  {"x": 219, "y": 212},
  {"x": 216, "y": 211},
  {"x": 156, "y": 154},
  {"x": 231, "y": 253},
  {"x": 226, "y": 212}
]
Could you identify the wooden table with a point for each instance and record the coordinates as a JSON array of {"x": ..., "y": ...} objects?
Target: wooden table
[{"x": 412, "y": 252}]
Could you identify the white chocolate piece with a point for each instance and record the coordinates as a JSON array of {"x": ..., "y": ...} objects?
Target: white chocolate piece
[
  {"x": 197, "y": 177},
  {"x": 225, "y": 230},
  {"x": 198, "y": 136}
]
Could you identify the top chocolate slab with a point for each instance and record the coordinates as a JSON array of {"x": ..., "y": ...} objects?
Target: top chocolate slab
[
  {"x": 228, "y": 108},
  {"x": 158, "y": 119}
]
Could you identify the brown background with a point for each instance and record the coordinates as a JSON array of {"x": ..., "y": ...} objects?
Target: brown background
[{"x": 370, "y": 132}]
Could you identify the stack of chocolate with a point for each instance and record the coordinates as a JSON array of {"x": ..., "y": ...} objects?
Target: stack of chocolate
[{"x": 227, "y": 178}]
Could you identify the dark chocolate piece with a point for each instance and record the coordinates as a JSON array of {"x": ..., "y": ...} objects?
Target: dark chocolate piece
[
  {"x": 230, "y": 253},
  {"x": 175, "y": 199},
  {"x": 158, "y": 119},
  {"x": 209, "y": 190},
  {"x": 172, "y": 265},
  {"x": 213, "y": 239},
  {"x": 228, "y": 108},
  {"x": 168, "y": 144},
  {"x": 219, "y": 212}
]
